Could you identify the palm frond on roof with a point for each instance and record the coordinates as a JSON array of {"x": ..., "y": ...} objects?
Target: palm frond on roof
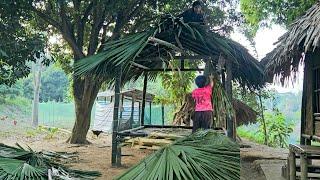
[
  {"x": 303, "y": 36},
  {"x": 164, "y": 41},
  {"x": 244, "y": 114}
]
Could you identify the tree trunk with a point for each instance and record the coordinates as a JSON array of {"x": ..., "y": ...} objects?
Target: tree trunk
[
  {"x": 84, "y": 90},
  {"x": 36, "y": 87}
]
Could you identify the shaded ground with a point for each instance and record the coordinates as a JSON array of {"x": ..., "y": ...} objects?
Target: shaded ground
[
  {"x": 97, "y": 156},
  {"x": 265, "y": 162}
]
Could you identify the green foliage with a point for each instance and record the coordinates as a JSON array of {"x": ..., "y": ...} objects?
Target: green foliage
[
  {"x": 18, "y": 43},
  {"x": 202, "y": 155},
  {"x": 252, "y": 134},
  {"x": 278, "y": 130},
  {"x": 176, "y": 85},
  {"x": 259, "y": 12},
  {"x": 8, "y": 92},
  {"x": 18, "y": 163},
  {"x": 54, "y": 85}
]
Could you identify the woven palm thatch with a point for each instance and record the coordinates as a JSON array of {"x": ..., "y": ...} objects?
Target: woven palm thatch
[
  {"x": 244, "y": 114},
  {"x": 169, "y": 38},
  {"x": 303, "y": 36}
]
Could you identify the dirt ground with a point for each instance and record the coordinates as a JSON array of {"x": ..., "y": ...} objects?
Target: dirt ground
[{"x": 97, "y": 156}]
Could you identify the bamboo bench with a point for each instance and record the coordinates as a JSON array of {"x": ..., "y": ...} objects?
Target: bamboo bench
[{"x": 306, "y": 154}]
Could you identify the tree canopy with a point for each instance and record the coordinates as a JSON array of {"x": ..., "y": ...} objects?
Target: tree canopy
[
  {"x": 259, "y": 13},
  {"x": 19, "y": 43}
]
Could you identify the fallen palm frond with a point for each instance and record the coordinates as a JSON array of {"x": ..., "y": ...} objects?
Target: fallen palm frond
[
  {"x": 17, "y": 163},
  {"x": 202, "y": 155}
]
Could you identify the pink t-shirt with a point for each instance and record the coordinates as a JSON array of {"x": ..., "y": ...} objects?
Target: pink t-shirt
[{"x": 202, "y": 97}]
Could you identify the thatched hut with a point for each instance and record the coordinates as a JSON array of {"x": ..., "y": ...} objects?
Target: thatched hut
[
  {"x": 301, "y": 45},
  {"x": 173, "y": 45}
]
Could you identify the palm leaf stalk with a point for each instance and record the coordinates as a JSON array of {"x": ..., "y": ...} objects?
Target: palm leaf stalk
[
  {"x": 17, "y": 163},
  {"x": 222, "y": 104},
  {"x": 202, "y": 155}
]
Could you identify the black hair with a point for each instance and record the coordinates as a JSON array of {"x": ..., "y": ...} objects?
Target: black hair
[
  {"x": 201, "y": 81},
  {"x": 196, "y": 3}
]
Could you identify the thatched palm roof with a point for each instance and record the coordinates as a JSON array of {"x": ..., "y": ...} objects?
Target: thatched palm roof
[
  {"x": 244, "y": 114},
  {"x": 165, "y": 40},
  {"x": 303, "y": 36}
]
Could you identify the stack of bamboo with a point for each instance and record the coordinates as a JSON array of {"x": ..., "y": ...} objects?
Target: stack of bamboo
[{"x": 154, "y": 141}]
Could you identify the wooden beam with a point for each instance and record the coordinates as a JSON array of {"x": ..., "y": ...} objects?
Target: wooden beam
[
  {"x": 164, "y": 43},
  {"x": 140, "y": 66},
  {"x": 194, "y": 57},
  {"x": 191, "y": 69},
  {"x": 167, "y": 126}
]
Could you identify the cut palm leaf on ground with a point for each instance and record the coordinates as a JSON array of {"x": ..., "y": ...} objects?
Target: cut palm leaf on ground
[
  {"x": 17, "y": 163},
  {"x": 202, "y": 155}
]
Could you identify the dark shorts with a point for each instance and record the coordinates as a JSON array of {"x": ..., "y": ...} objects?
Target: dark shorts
[{"x": 202, "y": 119}]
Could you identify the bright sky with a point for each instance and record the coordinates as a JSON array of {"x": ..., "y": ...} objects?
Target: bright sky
[{"x": 265, "y": 40}]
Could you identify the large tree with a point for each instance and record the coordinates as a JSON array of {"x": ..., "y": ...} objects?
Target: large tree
[{"x": 84, "y": 26}]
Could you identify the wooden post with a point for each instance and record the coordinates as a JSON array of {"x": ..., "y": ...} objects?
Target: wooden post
[
  {"x": 139, "y": 110},
  {"x": 115, "y": 160},
  {"x": 132, "y": 112},
  {"x": 162, "y": 110},
  {"x": 182, "y": 64},
  {"x": 150, "y": 112},
  {"x": 303, "y": 105},
  {"x": 121, "y": 108},
  {"x": 292, "y": 165},
  {"x": 228, "y": 87},
  {"x": 307, "y": 123},
  {"x": 145, "y": 83},
  {"x": 287, "y": 175},
  {"x": 304, "y": 166}
]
